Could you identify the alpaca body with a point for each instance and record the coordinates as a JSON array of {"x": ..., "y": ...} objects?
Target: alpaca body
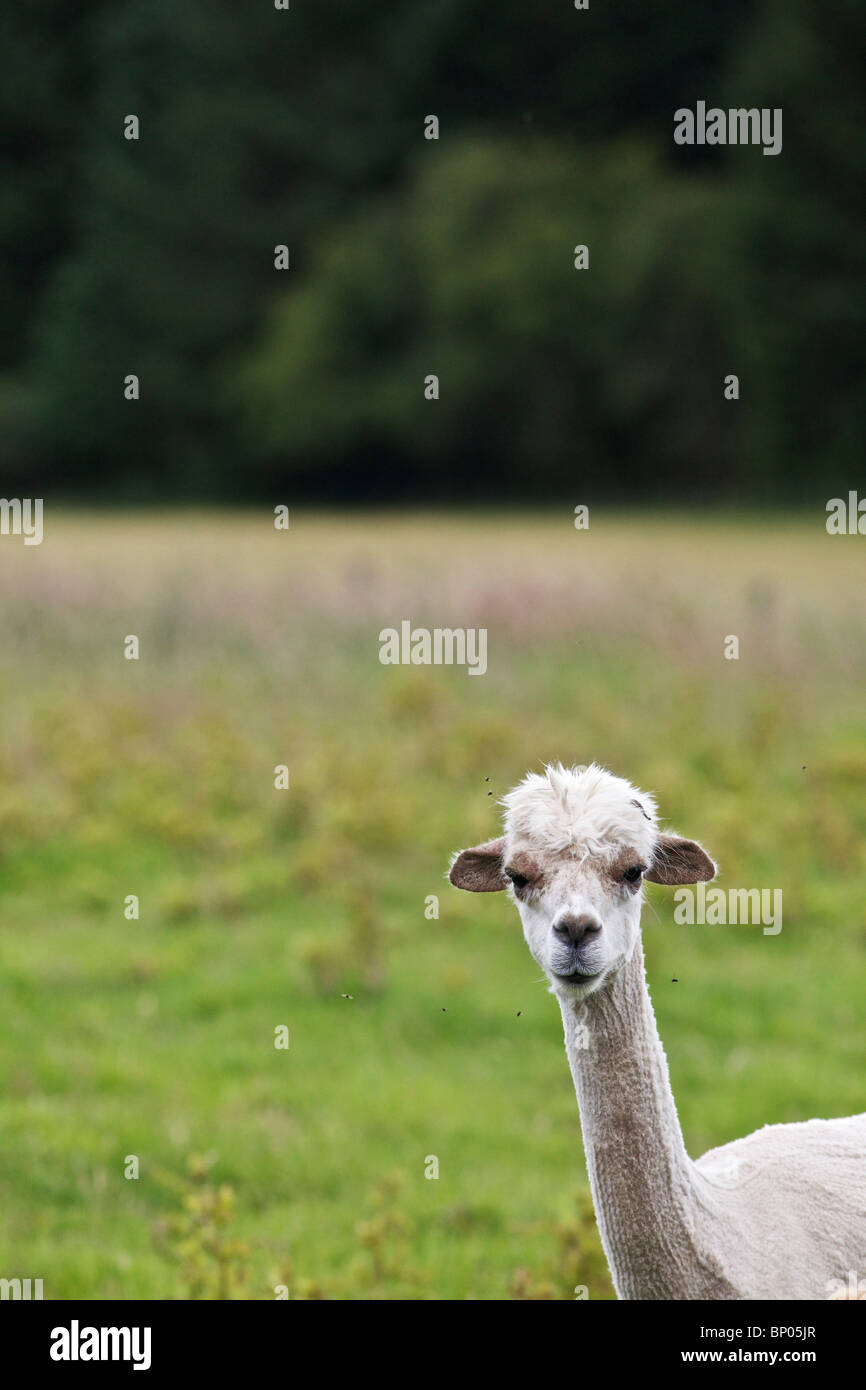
[
  {"x": 794, "y": 1197},
  {"x": 780, "y": 1214}
]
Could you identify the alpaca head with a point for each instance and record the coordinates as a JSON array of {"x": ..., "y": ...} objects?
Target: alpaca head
[{"x": 578, "y": 844}]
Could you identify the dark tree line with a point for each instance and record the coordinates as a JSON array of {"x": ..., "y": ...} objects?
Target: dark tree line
[{"x": 413, "y": 257}]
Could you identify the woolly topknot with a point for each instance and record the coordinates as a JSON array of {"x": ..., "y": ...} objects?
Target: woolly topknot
[{"x": 586, "y": 809}]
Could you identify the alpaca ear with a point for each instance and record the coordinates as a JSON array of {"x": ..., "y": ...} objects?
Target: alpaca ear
[
  {"x": 479, "y": 870},
  {"x": 679, "y": 861}
]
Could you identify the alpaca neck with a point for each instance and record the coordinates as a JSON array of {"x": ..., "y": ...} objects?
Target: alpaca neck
[{"x": 643, "y": 1182}]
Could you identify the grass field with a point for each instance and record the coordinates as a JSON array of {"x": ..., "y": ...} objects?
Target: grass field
[{"x": 154, "y": 1037}]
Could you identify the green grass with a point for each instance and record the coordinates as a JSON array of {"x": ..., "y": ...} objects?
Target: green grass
[{"x": 155, "y": 1037}]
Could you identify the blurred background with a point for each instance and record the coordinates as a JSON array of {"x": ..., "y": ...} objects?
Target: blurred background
[
  {"x": 411, "y": 256},
  {"x": 416, "y": 1029}
]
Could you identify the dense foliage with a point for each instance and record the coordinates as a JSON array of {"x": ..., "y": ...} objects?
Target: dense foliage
[{"x": 412, "y": 257}]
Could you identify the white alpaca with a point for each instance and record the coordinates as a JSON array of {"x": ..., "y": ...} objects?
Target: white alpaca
[{"x": 779, "y": 1214}]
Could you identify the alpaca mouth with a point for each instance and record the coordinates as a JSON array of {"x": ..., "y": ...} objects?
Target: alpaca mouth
[{"x": 577, "y": 977}]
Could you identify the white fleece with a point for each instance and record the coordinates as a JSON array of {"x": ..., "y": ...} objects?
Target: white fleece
[{"x": 780, "y": 1214}]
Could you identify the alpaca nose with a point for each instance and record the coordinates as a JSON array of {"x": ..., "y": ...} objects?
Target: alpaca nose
[{"x": 576, "y": 926}]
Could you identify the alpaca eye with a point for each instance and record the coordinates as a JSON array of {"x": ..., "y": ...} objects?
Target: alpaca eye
[
  {"x": 633, "y": 874},
  {"x": 519, "y": 880}
]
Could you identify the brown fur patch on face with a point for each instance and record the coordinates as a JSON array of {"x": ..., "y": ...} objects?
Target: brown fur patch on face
[
  {"x": 525, "y": 864},
  {"x": 626, "y": 858}
]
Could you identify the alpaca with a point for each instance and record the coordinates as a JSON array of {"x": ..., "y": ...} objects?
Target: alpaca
[{"x": 780, "y": 1214}]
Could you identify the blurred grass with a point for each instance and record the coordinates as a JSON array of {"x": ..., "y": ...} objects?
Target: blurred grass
[{"x": 154, "y": 1037}]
